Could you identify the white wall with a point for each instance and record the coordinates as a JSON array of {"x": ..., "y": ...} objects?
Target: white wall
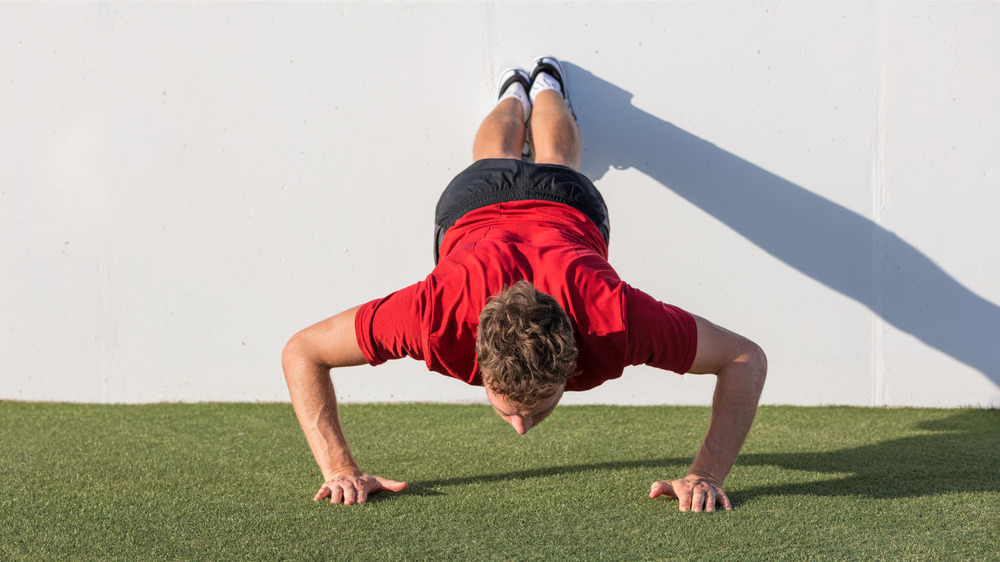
[{"x": 183, "y": 186}]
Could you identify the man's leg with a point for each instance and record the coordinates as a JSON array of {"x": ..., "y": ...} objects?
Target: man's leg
[
  {"x": 501, "y": 134},
  {"x": 554, "y": 135},
  {"x": 555, "y": 138}
]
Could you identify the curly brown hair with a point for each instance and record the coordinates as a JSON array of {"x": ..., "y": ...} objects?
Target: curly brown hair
[{"x": 525, "y": 344}]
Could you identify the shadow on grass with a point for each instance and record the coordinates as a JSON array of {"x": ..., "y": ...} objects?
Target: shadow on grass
[
  {"x": 958, "y": 456},
  {"x": 430, "y": 487}
]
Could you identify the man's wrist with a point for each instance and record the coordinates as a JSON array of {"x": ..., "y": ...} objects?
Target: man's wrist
[
  {"x": 350, "y": 468},
  {"x": 702, "y": 475}
]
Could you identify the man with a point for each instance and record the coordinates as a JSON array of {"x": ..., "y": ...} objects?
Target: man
[{"x": 523, "y": 302}]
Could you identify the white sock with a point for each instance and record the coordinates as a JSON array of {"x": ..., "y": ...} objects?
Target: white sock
[
  {"x": 544, "y": 81},
  {"x": 516, "y": 90}
]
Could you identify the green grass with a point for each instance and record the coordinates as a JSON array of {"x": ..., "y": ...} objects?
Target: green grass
[{"x": 226, "y": 481}]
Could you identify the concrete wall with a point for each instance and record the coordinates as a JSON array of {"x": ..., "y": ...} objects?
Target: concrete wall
[{"x": 184, "y": 185}]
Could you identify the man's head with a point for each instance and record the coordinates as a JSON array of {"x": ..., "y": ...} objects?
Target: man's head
[{"x": 526, "y": 353}]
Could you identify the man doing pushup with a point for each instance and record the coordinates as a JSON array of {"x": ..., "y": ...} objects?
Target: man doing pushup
[{"x": 522, "y": 301}]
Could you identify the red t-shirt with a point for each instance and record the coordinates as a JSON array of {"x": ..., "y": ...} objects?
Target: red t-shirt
[{"x": 561, "y": 252}]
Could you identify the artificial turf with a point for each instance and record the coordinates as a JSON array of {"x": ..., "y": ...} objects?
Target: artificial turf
[{"x": 227, "y": 481}]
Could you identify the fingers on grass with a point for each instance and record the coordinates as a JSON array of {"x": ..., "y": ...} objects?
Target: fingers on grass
[
  {"x": 324, "y": 491},
  {"x": 697, "y": 500},
  {"x": 685, "y": 501},
  {"x": 391, "y": 485},
  {"x": 716, "y": 499},
  {"x": 661, "y": 489},
  {"x": 724, "y": 500},
  {"x": 350, "y": 495}
]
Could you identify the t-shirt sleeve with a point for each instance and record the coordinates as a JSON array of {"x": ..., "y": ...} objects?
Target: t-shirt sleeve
[
  {"x": 659, "y": 335},
  {"x": 389, "y": 328}
]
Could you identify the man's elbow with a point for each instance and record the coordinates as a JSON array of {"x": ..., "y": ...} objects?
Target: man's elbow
[
  {"x": 294, "y": 355},
  {"x": 755, "y": 364},
  {"x": 746, "y": 367}
]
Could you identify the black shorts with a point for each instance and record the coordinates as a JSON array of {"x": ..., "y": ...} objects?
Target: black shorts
[{"x": 499, "y": 180}]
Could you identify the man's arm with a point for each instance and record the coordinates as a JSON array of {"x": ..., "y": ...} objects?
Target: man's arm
[
  {"x": 307, "y": 360},
  {"x": 741, "y": 367}
]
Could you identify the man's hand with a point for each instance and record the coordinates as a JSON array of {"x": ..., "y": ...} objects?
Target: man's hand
[
  {"x": 353, "y": 486},
  {"x": 695, "y": 493}
]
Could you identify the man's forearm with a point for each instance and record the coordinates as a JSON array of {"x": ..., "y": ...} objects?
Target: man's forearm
[
  {"x": 306, "y": 361},
  {"x": 734, "y": 405},
  {"x": 315, "y": 403}
]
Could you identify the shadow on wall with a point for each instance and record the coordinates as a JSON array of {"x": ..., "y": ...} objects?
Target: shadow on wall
[{"x": 816, "y": 236}]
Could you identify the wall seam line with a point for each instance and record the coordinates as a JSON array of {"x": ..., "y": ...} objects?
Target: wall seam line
[{"x": 878, "y": 207}]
